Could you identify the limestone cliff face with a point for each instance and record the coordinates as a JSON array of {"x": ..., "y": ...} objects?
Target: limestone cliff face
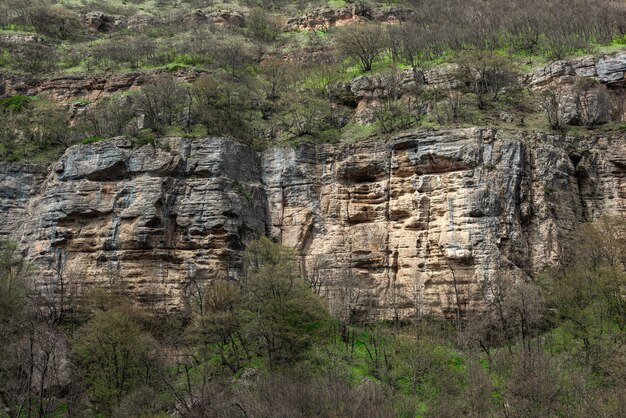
[
  {"x": 153, "y": 217},
  {"x": 433, "y": 216},
  {"x": 428, "y": 216}
]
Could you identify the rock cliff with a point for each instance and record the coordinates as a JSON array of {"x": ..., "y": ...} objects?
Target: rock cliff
[{"x": 426, "y": 218}]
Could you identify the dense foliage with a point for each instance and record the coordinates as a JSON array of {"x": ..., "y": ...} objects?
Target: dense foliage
[{"x": 267, "y": 346}]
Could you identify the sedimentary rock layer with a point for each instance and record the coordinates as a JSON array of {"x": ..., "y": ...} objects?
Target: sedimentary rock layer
[{"x": 427, "y": 218}]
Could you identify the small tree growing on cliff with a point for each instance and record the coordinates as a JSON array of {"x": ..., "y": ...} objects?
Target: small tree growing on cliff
[
  {"x": 162, "y": 103},
  {"x": 489, "y": 76},
  {"x": 279, "y": 76},
  {"x": 550, "y": 104}
]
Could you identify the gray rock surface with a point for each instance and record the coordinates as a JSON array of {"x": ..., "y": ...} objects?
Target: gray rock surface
[
  {"x": 19, "y": 183},
  {"x": 608, "y": 69},
  {"x": 378, "y": 225},
  {"x": 158, "y": 216}
]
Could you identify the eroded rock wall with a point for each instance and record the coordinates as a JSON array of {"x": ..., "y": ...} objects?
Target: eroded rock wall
[
  {"x": 425, "y": 217},
  {"x": 154, "y": 218},
  {"x": 428, "y": 217}
]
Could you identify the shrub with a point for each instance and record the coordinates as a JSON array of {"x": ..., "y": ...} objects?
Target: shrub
[
  {"x": 222, "y": 107},
  {"x": 33, "y": 59},
  {"x": 92, "y": 139},
  {"x": 111, "y": 116},
  {"x": 284, "y": 316},
  {"x": 15, "y": 103},
  {"x": 162, "y": 103},
  {"x": 113, "y": 353},
  {"x": 488, "y": 75},
  {"x": 305, "y": 115},
  {"x": 263, "y": 25},
  {"x": 54, "y": 21},
  {"x": 278, "y": 75},
  {"x": 550, "y": 104},
  {"x": 45, "y": 123}
]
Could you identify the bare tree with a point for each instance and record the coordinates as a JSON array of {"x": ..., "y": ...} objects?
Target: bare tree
[
  {"x": 488, "y": 75},
  {"x": 162, "y": 103},
  {"x": 279, "y": 76},
  {"x": 549, "y": 102},
  {"x": 364, "y": 43},
  {"x": 317, "y": 274}
]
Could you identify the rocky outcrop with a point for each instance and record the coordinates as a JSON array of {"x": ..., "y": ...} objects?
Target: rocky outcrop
[
  {"x": 604, "y": 101},
  {"x": 155, "y": 217},
  {"x": 22, "y": 38},
  {"x": 322, "y": 19},
  {"x": 19, "y": 183},
  {"x": 69, "y": 88},
  {"x": 427, "y": 217},
  {"x": 102, "y": 22},
  {"x": 608, "y": 69},
  {"x": 364, "y": 93},
  {"x": 216, "y": 17}
]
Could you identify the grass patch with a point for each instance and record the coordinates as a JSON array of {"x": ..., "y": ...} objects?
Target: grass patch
[
  {"x": 92, "y": 139},
  {"x": 354, "y": 132},
  {"x": 15, "y": 103}
]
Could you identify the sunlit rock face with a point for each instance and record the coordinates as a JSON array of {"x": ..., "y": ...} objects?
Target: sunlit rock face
[
  {"x": 424, "y": 220},
  {"x": 429, "y": 219}
]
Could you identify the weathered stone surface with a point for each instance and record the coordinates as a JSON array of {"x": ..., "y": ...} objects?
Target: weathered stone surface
[
  {"x": 140, "y": 21},
  {"x": 102, "y": 22},
  {"x": 608, "y": 69},
  {"x": 369, "y": 91},
  {"x": 215, "y": 17},
  {"x": 413, "y": 217},
  {"x": 427, "y": 210},
  {"x": 22, "y": 38},
  {"x": 155, "y": 217},
  {"x": 19, "y": 183},
  {"x": 226, "y": 18},
  {"x": 68, "y": 88},
  {"x": 326, "y": 17},
  {"x": 611, "y": 69}
]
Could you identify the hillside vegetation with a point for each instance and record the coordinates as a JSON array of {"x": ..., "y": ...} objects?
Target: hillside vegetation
[
  {"x": 266, "y": 72},
  {"x": 268, "y": 346}
]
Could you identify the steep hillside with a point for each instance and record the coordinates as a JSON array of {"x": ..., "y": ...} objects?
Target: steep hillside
[
  {"x": 398, "y": 159},
  {"x": 325, "y": 208}
]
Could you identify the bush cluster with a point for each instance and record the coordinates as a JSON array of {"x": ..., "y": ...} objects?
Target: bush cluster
[{"x": 266, "y": 345}]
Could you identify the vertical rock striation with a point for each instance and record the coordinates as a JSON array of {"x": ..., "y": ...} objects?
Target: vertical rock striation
[
  {"x": 424, "y": 220},
  {"x": 155, "y": 218},
  {"x": 429, "y": 218}
]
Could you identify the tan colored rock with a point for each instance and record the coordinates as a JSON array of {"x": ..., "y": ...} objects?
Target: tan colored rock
[
  {"x": 383, "y": 226},
  {"x": 322, "y": 19},
  {"x": 69, "y": 88},
  {"x": 411, "y": 217}
]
